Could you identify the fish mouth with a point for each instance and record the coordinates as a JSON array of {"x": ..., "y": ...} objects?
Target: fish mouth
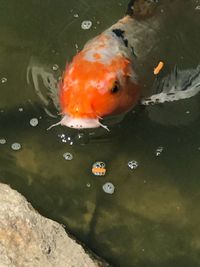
[{"x": 79, "y": 123}]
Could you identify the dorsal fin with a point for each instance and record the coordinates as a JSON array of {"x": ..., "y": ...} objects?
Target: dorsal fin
[{"x": 141, "y": 8}]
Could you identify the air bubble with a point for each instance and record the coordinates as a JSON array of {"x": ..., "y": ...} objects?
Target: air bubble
[
  {"x": 4, "y": 80},
  {"x": 108, "y": 188},
  {"x": 20, "y": 109},
  {"x": 159, "y": 150},
  {"x": 55, "y": 67},
  {"x": 67, "y": 156},
  {"x": 133, "y": 164},
  {"x": 2, "y": 141},
  {"x": 86, "y": 24},
  {"x": 34, "y": 122},
  {"x": 16, "y": 146},
  {"x": 76, "y": 15}
]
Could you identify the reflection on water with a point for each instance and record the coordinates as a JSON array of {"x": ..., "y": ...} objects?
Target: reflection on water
[{"x": 152, "y": 219}]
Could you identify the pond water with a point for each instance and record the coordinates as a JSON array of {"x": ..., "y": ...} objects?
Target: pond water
[{"x": 152, "y": 218}]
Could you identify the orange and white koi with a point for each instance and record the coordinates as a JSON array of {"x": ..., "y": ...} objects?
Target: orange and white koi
[{"x": 101, "y": 80}]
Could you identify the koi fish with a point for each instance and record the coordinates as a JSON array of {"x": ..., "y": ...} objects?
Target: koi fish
[{"x": 101, "y": 80}]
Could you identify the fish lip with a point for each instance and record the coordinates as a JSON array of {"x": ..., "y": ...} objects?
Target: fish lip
[{"x": 79, "y": 123}]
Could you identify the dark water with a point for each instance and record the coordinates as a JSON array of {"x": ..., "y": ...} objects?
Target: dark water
[{"x": 153, "y": 217}]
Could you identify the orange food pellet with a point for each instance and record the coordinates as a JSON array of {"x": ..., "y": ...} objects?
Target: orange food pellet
[
  {"x": 98, "y": 169},
  {"x": 158, "y": 68}
]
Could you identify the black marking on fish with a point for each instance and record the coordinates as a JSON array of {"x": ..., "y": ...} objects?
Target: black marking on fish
[
  {"x": 125, "y": 42},
  {"x": 130, "y": 8},
  {"x": 120, "y": 34},
  {"x": 141, "y": 8},
  {"x": 133, "y": 51}
]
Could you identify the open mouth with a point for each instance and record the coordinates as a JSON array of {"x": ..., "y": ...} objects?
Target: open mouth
[{"x": 79, "y": 123}]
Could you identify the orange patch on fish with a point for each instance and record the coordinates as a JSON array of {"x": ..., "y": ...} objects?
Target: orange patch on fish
[{"x": 86, "y": 87}]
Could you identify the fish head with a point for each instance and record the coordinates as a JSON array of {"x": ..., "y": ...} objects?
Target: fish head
[{"x": 93, "y": 89}]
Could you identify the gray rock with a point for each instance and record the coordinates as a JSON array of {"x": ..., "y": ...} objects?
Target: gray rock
[{"x": 29, "y": 239}]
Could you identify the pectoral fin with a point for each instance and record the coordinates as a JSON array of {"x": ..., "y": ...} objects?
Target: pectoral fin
[{"x": 180, "y": 84}]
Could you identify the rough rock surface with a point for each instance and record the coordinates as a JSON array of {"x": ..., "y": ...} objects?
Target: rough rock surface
[{"x": 29, "y": 239}]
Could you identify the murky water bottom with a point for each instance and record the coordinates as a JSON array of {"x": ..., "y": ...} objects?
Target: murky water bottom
[{"x": 152, "y": 219}]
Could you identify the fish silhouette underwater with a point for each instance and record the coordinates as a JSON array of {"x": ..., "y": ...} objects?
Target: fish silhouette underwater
[{"x": 102, "y": 81}]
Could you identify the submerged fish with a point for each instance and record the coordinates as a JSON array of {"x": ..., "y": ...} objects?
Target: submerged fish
[{"x": 101, "y": 80}]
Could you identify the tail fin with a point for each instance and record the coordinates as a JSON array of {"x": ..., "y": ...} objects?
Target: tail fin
[{"x": 141, "y": 8}]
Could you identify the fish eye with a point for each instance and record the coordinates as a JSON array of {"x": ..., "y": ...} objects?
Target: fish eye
[{"x": 115, "y": 88}]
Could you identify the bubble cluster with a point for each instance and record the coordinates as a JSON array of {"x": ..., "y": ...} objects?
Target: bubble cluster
[
  {"x": 34, "y": 122},
  {"x": 16, "y": 146},
  {"x": 108, "y": 188},
  {"x": 66, "y": 139},
  {"x": 86, "y": 24},
  {"x": 133, "y": 164},
  {"x": 67, "y": 156}
]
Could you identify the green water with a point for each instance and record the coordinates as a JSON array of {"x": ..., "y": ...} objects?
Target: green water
[{"x": 153, "y": 217}]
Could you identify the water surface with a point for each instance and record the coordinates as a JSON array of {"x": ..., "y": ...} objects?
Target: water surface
[{"x": 153, "y": 218}]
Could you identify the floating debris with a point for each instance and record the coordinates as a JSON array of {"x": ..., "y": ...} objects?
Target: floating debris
[
  {"x": 108, "y": 188},
  {"x": 86, "y": 24},
  {"x": 98, "y": 168},
  {"x": 133, "y": 164},
  {"x": 4, "y": 80},
  {"x": 34, "y": 122},
  {"x": 20, "y": 109},
  {"x": 2, "y": 141},
  {"x": 197, "y": 7},
  {"x": 67, "y": 156},
  {"x": 76, "y": 15},
  {"x": 55, "y": 67},
  {"x": 158, "y": 68},
  {"x": 159, "y": 150},
  {"x": 16, "y": 146}
]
